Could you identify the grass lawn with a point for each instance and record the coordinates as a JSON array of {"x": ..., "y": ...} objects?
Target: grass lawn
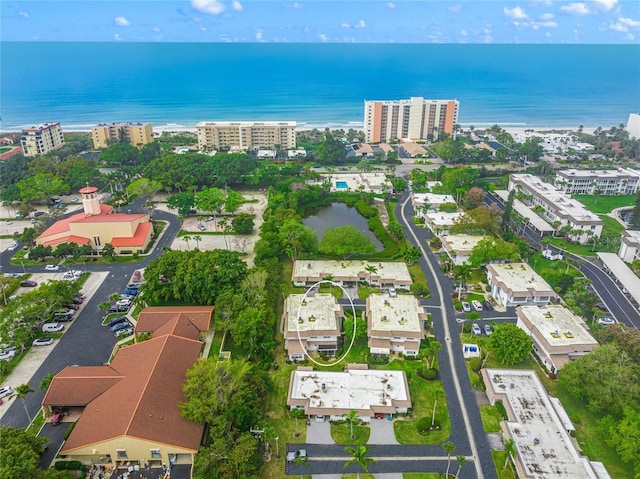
[
  {"x": 365, "y": 291},
  {"x": 417, "y": 275},
  {"x": 499, "y": 458},
  {"x": 476, "y": 296},
  {"x": 423, "y": 395},
  {"x": 605, "y": 204},
  {"x": 420, "y": 475},
  {"x": 491, "y": 418},
  {"x": 5, "y": 149},
  {"x": 357, "y": 354},
  {"x": 363, "y": 475},
  {"x": 341, "y": 433},
  {"x": 328, "y": 288}
]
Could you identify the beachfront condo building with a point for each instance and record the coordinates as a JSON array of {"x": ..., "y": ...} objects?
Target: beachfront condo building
[
  {"x": 243, "y": 135},
  {"x": 621, "y": 181},
  {"x": 413, "y": 119},
  {"x": 633, "y": 125},
  {"x": 136, "y": 134},
  {"x": 563, "y": 213},
  {"x": 41, "y": 139}
]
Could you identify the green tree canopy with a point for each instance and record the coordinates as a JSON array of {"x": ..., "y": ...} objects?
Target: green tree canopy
[
  {"x": 297, "y": 239},
  {"x": 41, "y": 187},
  {"x": 183, "y": 202},
  {"x": 243, "y": 224},
  {"x": 20, "y": 453},
  {"x": 345, "y": 241},
  {"x": 332, "y": 151},
  {"x": 122, "y": 154},
  {"x": 492, "y": 249},
  {"x": 511, "y": 344},
  {"x": 211, "y": 200}
]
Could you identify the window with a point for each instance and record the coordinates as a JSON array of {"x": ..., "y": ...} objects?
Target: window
[
  {"x": 96, "y": 240},
  {"x": 155, "y": 454},
  {"x": 121, "y": 453}
]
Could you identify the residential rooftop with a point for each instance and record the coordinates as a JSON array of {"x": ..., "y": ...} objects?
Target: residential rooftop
[
  {"x": 557, "y": 325},
  {"x": 544, "y": 448},
  {"x": 440, "y": 218},
  {"x": 423, "y": 199},
  {"x": 523, "y": 210},
  {"x": 315, "y": 313},
  {"x": 345, "y": 270},
  {"x": 519, "y": 277},
  {"x": 461, "y": 243},
  {"x": 401, "y": 314}
]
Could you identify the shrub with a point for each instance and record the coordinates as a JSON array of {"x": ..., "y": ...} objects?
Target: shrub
[
  {"x": 69, "y": 429},
  {"x": 419, "y": 289},
  {"x": 457, "y": 304},
  {"x": 475, "y": 364},
  {"x": 366, "y": 210},
  {"x": 428, "y": 373}
]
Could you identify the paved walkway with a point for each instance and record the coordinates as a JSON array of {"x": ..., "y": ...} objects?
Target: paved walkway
[{"x": 34, "y": 358}]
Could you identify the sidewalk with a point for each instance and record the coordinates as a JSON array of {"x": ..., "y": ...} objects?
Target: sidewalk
[{"x": 34, "y": 358}]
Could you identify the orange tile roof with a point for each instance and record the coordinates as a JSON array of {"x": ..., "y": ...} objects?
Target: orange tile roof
[
  {"x": 67, "y": 239},
  {"x": 138, "y": 239},
  {"x": 88, "y": 189},
  {"x": 113, "y": 218},
  {"x": 169, "y": 320}
]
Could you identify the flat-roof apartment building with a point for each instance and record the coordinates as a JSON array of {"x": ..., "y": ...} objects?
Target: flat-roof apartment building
[
  {"x": 558, "y": 335},
  {"x": 136, "y": 134},
  {"x": 349, "y": 273},
  {"x": 559, "y": 209},
  {"x": 312, "y": 323},
  {"x": 415, "y": 119},
  {"x": 245, "y": 135},
  {"x": 621, "y": 181},
  {"x": 41, "y": 139},
  {"x": 460, "y": 246},
  {"x": 629, "y": 246},
  {"x": 540, "y": 428},
  {"x": 395, "y": 324},
  {"x": 516, "y": 284}
]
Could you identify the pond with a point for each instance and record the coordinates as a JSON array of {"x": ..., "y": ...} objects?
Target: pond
[{"x": 339, "y": 214}]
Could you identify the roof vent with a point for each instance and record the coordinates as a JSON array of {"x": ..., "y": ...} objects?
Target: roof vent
[{"x": 300, "y": 320}]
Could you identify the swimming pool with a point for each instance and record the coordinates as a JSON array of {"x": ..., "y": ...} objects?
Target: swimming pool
[{"x": 342, "y": 185}]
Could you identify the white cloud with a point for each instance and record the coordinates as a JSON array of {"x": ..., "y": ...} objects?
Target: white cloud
[
  {"x": 345, "y": 25},
  {"x": 391, "y": 5},
  {"x": 547, "y": 24},
  {"x": 259, "y": 35},
  {"x": 546, "y": 16},
  {"x": 23, "y": 14},
  {"x": 629, "y": 22},
  {"x": 618, "y": 27},
  {"x": 122, "y": 22},
  {"x": 515, "y": 12},
  {"x": 294, "y": 5},
  {"x": 203, "y": 29},
  {"x": 116, "y": 36},
  {"x": 463, "y": 33},
  {"x": 547, "y": 34},
  {"x": 455, "y": 8},
  {"x": 322, "y": 37},
  {"x": 212, "y": 7},
  {"x": 236, "y": 5},
  {"x": 606, "y": 4},
  {"x": 360, "y": 24},
  {"x": 306, "y": 29},
  {"x": 631, "y": 36},
  {"x": 155, "y": 29},
  {"x": 575, "y": 9}
]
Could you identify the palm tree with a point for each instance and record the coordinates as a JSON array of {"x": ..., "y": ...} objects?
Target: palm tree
[
  {"x": 351, "y": 418},
  {"x": 21, "y": 392},
  {"x": 359, "y": 456},
  {"x": 301, "y": 460},
  {"x": 371, "y": 269},
  {"x": 187, "y": 238},
  {"x": 45, "y": 382},
  {"x": 297, "y": 414},
  {"x": 449, "y": 448},
  {"x": 197, "y": 239},
  {"x": 104, "y": 306},
  {"x": 114, "y": 298},
  {"x": 509, "y": 449},
  {"x": 462, "y": 272},
  {"x": 461, "y": 462}
]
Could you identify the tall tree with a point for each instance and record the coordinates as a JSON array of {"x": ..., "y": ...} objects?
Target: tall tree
[
  {"x": 297, "y": 239},
  {"x": 461, "y": 460},
  {"x": 449, "y": 449},
  {"x": 20, "y": 453},
  {"x": 21, "y": 392},
  {"x": 510, "y": 450},
  {"x": 634, "y": 221},
  {"x": 211, "y": 200},
  {"x": 183, "y": 202},
  {"x": 508, "y": 209},
  {"x": 359, "y": 457},
  {"x": 511, "y": 344},
  {"x": 352, "y": 419}
]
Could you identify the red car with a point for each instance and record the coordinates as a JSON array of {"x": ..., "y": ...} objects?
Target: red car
[
  {"x": 28, "y": 284},
  {"x": 56, "y": 417},
  {"x": 73, "y": 306},
  {"x": 137, "y": 276}
]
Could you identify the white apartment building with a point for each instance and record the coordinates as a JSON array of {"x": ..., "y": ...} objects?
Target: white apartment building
[
  {"x": 394, "y": 324},
  {"x": 136, "y": 134},
  {"x": 460, "y": 246},
  {"x": 629, "y": 246},
  {"x": 429, "y": 201},
  {"x": 517, "y": 284},
  {"x": 621, "y": 181},
  {"x": 540, "y": 428},
  {"x": 41, "y": 139},
  {"x": 558, "y": 335},
  {"x": 439, "y": 222},
  {"x": 558, "y": 208},
  {"x": 244, "y": 135},
  {"x": 413, "y": 119},
  {"x": 349, "y": 273},
  {"x": 633, "y": 125},
  {"x": 312, "y": 323}
]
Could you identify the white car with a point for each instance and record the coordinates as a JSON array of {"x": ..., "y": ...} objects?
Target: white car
[
  {"x": 13, "y": 247},
  {"x": 123, "y": 302},
  {"x": 477, "y": 305},
  {"x": 392, "y": 292},
  {"x": 7, "y": 355},
  {"x": 71, "y": 275},
  {"x": 466, "y": 307},
  {"x": 606, "y": 321},
  {"x": 51, "y": 267},
  {"x": 475, "y": 329},
  {"x": 6, "y": 391},
  {"x": 43, "y": 342}
]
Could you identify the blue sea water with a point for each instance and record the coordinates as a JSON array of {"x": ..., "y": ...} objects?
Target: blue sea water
[{"x": 317, "y": 85}]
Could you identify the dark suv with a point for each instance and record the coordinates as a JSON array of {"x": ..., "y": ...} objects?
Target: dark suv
[{"x": 118, "y": 320}]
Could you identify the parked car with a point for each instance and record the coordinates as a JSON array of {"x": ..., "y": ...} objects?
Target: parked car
[
  {"x": 124, "y": 302},
  {"x": 477, "y": 305},
  {"x": 130, "y": 291},
  {"x": 119, "y": 309},
  {"x": 120, "y": 326},
  {"x": 117, "y": 320},
  {"x": 38, "y": 213},
  {"x": 487, "y": 305},
  {"x": 606, "y": 321},
  {"x": 475, "y": 329},
  {"x": 52, "y": 327},
  {"x": 51, "y": 267},
  {"x": 466, "y": 307},
  {"x": 293, "y": 455},
  {"x": 28, "y": 283},
  {"x": 55, "y": 418},
  {"x": 202, "y": 227},
  {"x": 488, "y": 329},
  {"x": 135, "y": 286},
  {"x": 9, "y": 222},
  {"x": 13, "y": 275},
  {"x": 6, "y": 391},
  {"x": 124, "y": 332},
  {"x": 72, "y": 305},
  {"x": 69, "y": 276},
  {"x": 319, "y": 418},
  {"x": 137, "y": 276},
  {"x": 62, "y": 317},
  {"x": 7, "y": 355},
  {"x": 43, "y": 342},
  {"x": 392, "y": 292},
  {"x": 13, "y": 246}
]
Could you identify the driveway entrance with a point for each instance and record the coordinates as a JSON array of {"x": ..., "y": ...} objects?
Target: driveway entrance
[
  {"x": 319, "y": 433},
  {"x": 382, "y": 432}
]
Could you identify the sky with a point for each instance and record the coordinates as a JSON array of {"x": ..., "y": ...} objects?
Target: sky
[{"x": 323, "y": 21}]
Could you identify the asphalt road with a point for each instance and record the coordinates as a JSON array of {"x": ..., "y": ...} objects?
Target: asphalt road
[{"x": 86, "y": 342}]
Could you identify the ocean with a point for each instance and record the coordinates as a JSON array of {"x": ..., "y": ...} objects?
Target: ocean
[{"x": 176, "y": 85}]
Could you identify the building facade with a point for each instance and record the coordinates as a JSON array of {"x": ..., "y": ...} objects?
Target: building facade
[
  {"x": 240, "y": 135},
  {"x": 517, "y": 284},
  {"x": 629, "y": 246},
  {"x": 415, "y": 119},
  {"x": 349, "y": 273},
  {"x": 557, "y": 208},
  {"x": 41, "y": 139},
  {"x": 136, "y": 134},
  {"x": 558, "y": 335},
  {"x": 622, "y": 181},
  {"x": 633, "y": 125}
]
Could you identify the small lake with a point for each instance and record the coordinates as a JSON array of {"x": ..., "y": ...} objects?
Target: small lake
[{"x": 339, "y": 214}]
